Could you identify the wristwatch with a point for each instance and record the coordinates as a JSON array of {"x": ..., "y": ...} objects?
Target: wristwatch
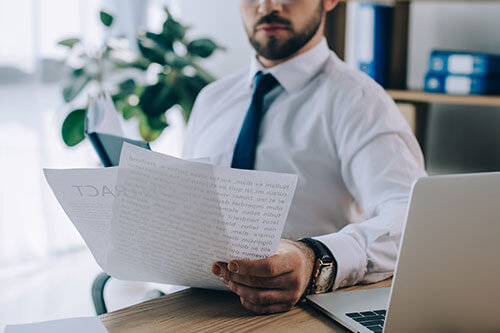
[{"x": 324, "y": 270}]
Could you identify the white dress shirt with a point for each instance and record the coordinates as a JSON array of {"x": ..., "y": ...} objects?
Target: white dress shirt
[{"x": 355, "y": 155}]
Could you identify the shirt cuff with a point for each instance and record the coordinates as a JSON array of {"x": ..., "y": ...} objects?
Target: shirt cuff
[{"x": 351, "y": 260}]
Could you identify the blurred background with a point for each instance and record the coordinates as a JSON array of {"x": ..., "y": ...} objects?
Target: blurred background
[{"x": 45, "y": 269}]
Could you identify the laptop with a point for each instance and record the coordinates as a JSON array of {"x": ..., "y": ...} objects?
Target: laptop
[{"x": 447, "y": 276}]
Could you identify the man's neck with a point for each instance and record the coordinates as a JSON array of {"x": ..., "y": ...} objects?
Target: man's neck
[{"x": 268, "y": 63}]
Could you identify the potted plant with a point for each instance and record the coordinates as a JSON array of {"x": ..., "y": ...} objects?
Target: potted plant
[{"x": 169, "y": 57}]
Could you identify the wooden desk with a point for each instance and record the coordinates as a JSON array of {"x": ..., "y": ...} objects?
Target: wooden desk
[{"x": 195, "y": 310}]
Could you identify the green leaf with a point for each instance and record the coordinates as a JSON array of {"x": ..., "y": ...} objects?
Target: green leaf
[
  {"x": 118, "y": 99},
  {"x": 196, "y": 83},
  {"x": 151, "y": 52},
  {"x": 163, "y": 40},
  {"x": 140, "y": 90},
  {"x": 75, "y": 88},
  {"x": 69, "y": 42},
  {"x": 203, "y": 48},
  {"x": 186, "y": 107},
  {"x": 78, "y": 72},
  {"x": 106, "y": 18},
  {"x": 142, "y": 64},
  {"x": 190, "y": 88},
  {"x": 130, "y": 112},
  {"x": 177, "y": 62},
  {"x": 73, "y": 127},
  {"x": 127, "y": 87},
  {"x": 158, "y": 98},
  {"x": 172, "y": 28},
  {"x": 147, "y": 133},
  {"x": 158, "y": 123}
]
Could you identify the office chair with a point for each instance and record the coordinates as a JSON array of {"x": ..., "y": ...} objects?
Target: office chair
[
  {"x": 97, "y": 292},
  {"x": 462, "y": 139}
]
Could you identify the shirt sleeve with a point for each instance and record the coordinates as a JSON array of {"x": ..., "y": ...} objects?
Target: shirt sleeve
[{"x": 380, "y": 160}]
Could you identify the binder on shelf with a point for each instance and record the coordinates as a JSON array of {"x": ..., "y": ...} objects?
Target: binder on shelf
[
  {"x": 374, "y": 26},
  {"x": 465, "y": 63},
  {"x": 462, "y": 84},
  {"x": 103, "y": 129}
]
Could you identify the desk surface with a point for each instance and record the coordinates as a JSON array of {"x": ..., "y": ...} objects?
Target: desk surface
[{"x": 195, "y": 310}]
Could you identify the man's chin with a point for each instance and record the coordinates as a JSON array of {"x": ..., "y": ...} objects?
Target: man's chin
[{"x": 273, "y": 51}]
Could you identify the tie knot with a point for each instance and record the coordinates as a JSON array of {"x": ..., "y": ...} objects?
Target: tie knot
[{"x": 264, "y": 83}]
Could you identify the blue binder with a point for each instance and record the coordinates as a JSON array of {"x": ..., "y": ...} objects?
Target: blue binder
[
  {"x": 109, "y": 147},
  {"x": 465, "y": 63},
  {"x": 462, "y": 84},
  {"x": 374, "y": 40}
]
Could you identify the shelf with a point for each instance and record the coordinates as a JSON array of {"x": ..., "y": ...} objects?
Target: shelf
[{"x": 424, "y": 97}]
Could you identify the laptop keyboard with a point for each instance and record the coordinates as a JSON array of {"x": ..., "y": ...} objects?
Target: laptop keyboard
[{"x": 372, "y": 320}]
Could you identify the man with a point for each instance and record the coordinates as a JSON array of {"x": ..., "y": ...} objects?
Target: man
[{"x": 299, "y": 109}]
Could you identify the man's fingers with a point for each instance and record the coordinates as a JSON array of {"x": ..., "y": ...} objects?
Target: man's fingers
[
  {"x": 260, "y": 296},
  {"x": 276, "y": 265},
  {"x": 285, "y": 281},
  {"x": 265, "y": 309},
  {"x": 218, "y": 268}
]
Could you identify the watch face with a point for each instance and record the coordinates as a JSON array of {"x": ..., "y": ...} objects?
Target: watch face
[{"x": 324, "y": 280}]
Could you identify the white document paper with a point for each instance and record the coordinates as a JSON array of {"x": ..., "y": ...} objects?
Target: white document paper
[
  {"x": 87, "y": 197},
  {"x": 73, "y": 325},
  {"x": 171, "y": 218},
  {"x": 102, "y": 116}
]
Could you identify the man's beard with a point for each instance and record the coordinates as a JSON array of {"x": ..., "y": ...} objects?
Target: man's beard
[{"x": 275, "y": 49}]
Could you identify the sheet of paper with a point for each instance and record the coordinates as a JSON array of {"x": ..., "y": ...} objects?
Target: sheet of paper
[
  {"x": 102, "y": 116},
  {"x": 87, "y": 197},
  {"x": 73, "y": 325},
  {"x": 177, "y": 217},
  {"x": 160, "y": 219}
]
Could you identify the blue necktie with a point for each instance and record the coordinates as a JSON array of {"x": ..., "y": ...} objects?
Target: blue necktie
[{"x": 244, "y": 152}]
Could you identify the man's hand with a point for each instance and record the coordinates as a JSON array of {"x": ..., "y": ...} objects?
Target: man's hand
[{"x": 270, "y": 285}]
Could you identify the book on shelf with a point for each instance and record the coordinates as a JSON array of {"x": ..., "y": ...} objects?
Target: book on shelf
[
  {"x": 372, "y": 50},
  {"x": 462, "y": 84},
  {"x": 464, "y": 63},
  {"x": 104, "y": 131}
]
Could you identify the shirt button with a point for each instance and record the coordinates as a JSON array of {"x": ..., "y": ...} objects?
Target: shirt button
[{"x": 343, "y": 283}]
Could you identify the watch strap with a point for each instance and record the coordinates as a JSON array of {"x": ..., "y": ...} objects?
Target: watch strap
[
  {"x": 320, "y": 250},
  {"x": 322, "y": 254}
]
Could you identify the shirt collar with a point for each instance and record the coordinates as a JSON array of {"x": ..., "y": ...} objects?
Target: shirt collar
[{"x": 296, "y": 72}]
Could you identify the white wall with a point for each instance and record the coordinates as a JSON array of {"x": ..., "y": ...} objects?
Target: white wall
[{"x": 219, "y": 20}]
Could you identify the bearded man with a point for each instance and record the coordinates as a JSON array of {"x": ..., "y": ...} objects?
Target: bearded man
[{"x": 299, "y": 109}]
